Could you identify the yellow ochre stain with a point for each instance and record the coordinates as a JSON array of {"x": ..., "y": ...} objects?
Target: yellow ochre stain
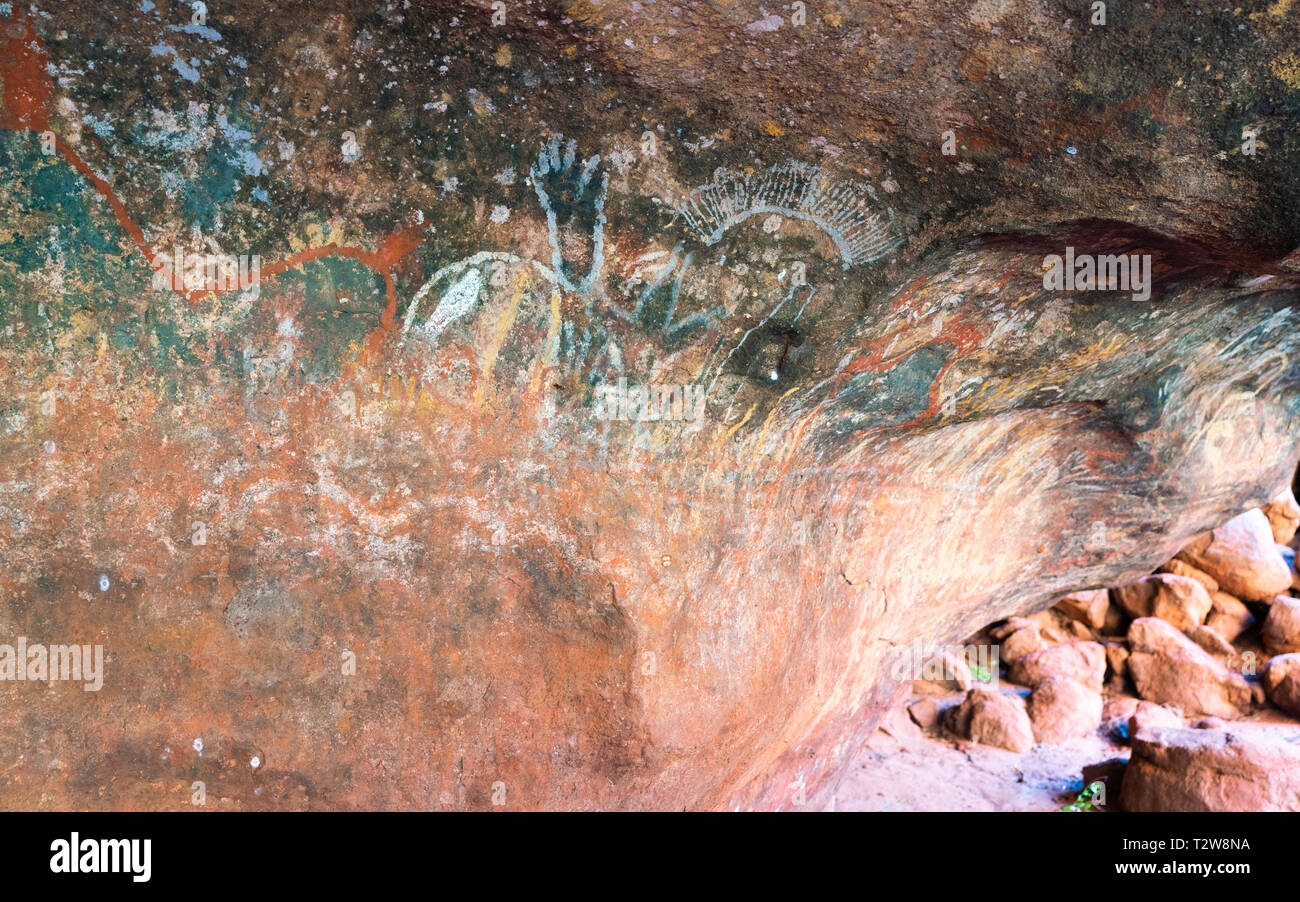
[
  {"x": 767, "y": 424},
  {"x": 745, "y": 419},
  {"x": 1287, "y": 69},
  {"x": 503, "y": 327},
  {"x": 552, "y": 342}
]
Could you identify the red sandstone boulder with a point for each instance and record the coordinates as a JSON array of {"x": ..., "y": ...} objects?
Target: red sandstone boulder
[
  {"x": 1149, "y": 715},
  {"x": 924, "y": 712},
  {"x": 1117, "y": 659},
  {"x": 1283, "y": 515},
  {"x": 1212, "y": 770},
  {"x": 1009, "y": 626},
  {"x": 1281, "y": 632},
  {"x": 1055, "y": 626},
  {"x": 1089, "y": 608},
  {"x": 945, "y": 673},
  {"x": 1120, "y": 707},
  {"x": 992, "y": 718},
  {"x": 1210, "y": 641},
  {"x": 1282, "y": 682},
  {"x": 1242, "y": 557},
  {"x": 1024, "y": 641},
  {"x": 1179, "y": 600},
  {"x": 1061, "y": 709},
  {"x": 1084, "y": 662},
  {"x": 1229, "y": 617},
  {"x": 1182, "y": 568},
  {"x": 1166, "y": 666}
]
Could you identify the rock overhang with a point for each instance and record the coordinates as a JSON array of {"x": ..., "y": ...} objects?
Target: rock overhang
[{"x": 644, "y": 613}]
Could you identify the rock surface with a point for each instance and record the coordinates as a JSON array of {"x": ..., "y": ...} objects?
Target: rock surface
[
  {"x": 1282, "y": 682},
  {"x": 1150, "y": 715},
  {"x": 1056, "y": 626},
  {"x": 946, "y": 672},
  {"x": 1210, "y": 641},
  {"x": 1110, "y": 773},
  {"x": 1179, "y": 600},
  {"x": 1023, "y": 641},
  {"x": 1182, "y": 568},
  {"x": 399, "y": 520},
  {"x": 1229, "y": 617},
  {"x": 1061, "y": 709},
  {"x": 1283, "y": 515},
  {"x": 1212, "y": 770},
  {"x": 1117, "y": 659},
  {"x": 1167, "y": 667},
  {"x": 1281, "y": 631},
  {"x": 1241, "y": 556},
  {"x": 992, "y": 718},
  {"x": 924, "y": 712},
  {"x": 1064, "y": 713},
  {"x": 1083, "y": 662},
  {"x": 1089, "y": 608}
]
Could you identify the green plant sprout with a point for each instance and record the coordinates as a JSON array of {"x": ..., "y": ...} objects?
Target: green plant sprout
[{"x": 1088, "y": 793}]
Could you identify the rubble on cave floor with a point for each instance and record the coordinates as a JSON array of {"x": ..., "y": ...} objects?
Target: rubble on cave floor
[{"x": 1184, "y": 684}]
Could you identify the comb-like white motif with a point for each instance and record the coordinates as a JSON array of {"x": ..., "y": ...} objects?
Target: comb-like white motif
[{"x": 847, "y": 211}]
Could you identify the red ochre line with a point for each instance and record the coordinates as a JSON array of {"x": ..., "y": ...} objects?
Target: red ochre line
[
  {"x": 26, "y": 90},
  {"x": 26, "y": 86},
  {"x": 396, "y": 246},
  {"x": 106, "y": 191}
]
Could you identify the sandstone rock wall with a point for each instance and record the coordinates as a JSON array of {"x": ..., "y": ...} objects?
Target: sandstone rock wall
[{"x": 399, "y": 519}]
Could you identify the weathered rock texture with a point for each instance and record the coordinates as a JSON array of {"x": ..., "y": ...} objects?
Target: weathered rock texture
[
  {"x": 1179, "y": 769},
  {"x": 1179, "y": 600},
  {"x": 1282, "y": 682},
  {"x": 1061, "y": 708},
  {"x": 400, "y": 451},
  {"x": 1242, "y": 558},
  {"x": 1167, "y": 667},
  {"x": 992, "y": 718},
  {"x": 1281, "y": 632}
]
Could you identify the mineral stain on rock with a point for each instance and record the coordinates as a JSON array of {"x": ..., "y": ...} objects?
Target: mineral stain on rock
[{"x": 428, "y": 569}]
